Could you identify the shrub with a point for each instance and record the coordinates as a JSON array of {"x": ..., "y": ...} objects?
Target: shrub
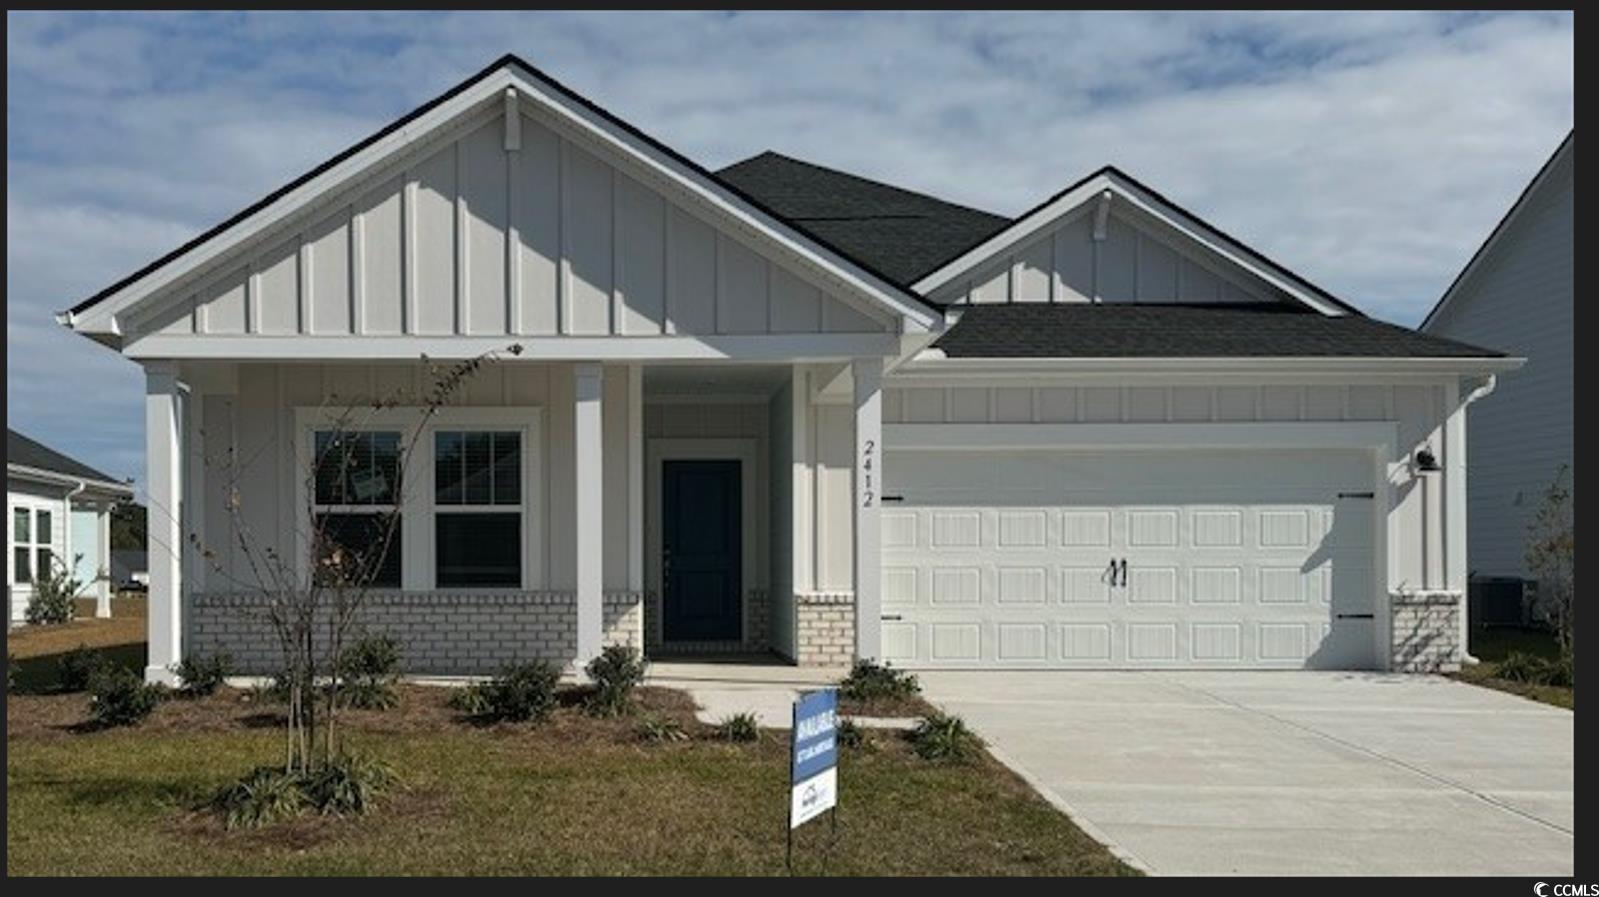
[
  {"x": 1534, "y": 670},
  {"x": 616, "y": 672},
  {"x": 523, "y": 693},
  {"x": 347, "y": 786},
  {"x": 120, "y": 697},
  {"x": 202, "y": 675},
  {"x": 868, "y": 681},
  {"x": 660, "y": 729},
  {"x": 53, "y": 591},
  {"x": 849, "y": 733},
  {"x": 368, "y": 670},
  {"x": 943, "y": 737},
  {"x": 77, "y": 667},
  {"x": 268, "y": 794},
  {"x": 740, "y": 727}
]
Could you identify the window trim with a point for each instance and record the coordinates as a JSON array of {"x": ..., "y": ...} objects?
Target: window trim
[
  {"x": 33, "y": 505},
  {"x": 418, "y": 531}
]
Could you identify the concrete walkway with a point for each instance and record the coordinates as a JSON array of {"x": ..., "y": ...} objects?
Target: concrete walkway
[
  {"x": 1193, "y": 773},
  {"x": 724, "y": 689}
]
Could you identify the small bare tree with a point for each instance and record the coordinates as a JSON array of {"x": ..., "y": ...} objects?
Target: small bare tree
[
  {"x": 1552, "y": 557},
  {"x": 313, "y": 614}
]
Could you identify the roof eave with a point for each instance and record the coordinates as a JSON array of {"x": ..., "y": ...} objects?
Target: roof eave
[
  {"x": 98, "y": 315},
  {"x": 930, "y": 362}
]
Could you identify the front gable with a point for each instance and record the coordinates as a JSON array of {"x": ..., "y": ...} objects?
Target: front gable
[
  {"x": 1109, "y": 239},
  {"x": 520, "y": 212}
]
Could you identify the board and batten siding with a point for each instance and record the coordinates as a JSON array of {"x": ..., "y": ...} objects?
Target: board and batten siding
[
  {"x": 1138, "y": 260},
  {"x": 1520, "y": 300},
  {"x": 465, "y": 237},
  {"x": 1419, "y": 410},
  {"x": 256, "y": 425}
]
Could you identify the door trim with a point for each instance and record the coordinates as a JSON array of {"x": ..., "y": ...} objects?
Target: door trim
[{"x": 659, "y": 451}]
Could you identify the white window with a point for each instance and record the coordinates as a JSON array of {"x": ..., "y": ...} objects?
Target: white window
[
  {"x": 467, "y": 515},
  {"x": 477, "y": 508},
  {"x": 356, "y": 515},
  {"x": 32, "y": 535}
]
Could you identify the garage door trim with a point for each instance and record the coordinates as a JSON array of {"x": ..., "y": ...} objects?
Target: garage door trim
[{"x": 1380, "y": 437}]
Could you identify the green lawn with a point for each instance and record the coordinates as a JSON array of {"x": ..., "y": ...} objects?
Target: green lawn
[
  {"x": 1492, "y": 644},
  {"x": 575, "y": 796}
]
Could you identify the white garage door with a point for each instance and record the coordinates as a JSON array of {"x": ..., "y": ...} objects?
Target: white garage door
[{"x": 1128, "y": 559}]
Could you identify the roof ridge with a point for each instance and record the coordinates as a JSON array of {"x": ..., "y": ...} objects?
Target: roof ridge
[{"x": 863, "y": 179}]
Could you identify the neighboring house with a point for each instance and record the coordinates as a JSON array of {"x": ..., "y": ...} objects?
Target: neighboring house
[
  {"x": 58, "y": 513},
  {"x": 783, "y": 408},
  {"x": 1517, "y": 292}
]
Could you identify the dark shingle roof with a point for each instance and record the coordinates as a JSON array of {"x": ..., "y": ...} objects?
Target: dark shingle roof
[
  {"x": 29, "y": 453},
  {"x": 901, "y": 234},
  {"x": 1258, "y": 330}
]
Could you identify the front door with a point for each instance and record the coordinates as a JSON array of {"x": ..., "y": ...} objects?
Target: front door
[{"x": 701, "y": 551}]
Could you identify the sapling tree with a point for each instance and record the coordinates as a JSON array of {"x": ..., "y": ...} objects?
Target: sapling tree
[
  {"x": 1551, "y": 558},
  {"x": 313, "y": 593}
]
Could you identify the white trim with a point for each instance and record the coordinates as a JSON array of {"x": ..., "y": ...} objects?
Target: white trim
[
  {"x": 417, "y": 509},
  {"x": 489, "y": 91},
  {"x": 925, "y": 371},
  {"x": 866, "y": 497},
  {"x": 1094, "y": 436},
  {"x": 588, "y": 523},
  {"x": 60, "y": 530},
  {"x": 55, "y": 478},
  {"x": 1097, "y": 187},
  {"x": 659, "y": 451},
  {"x": 254, "y": 347}
]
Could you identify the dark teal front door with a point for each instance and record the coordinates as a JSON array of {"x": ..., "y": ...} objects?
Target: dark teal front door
[{"x": 701, "y": 551}]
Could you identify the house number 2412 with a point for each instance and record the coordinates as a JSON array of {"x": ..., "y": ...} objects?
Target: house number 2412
[{"x": 868, "y": 452}]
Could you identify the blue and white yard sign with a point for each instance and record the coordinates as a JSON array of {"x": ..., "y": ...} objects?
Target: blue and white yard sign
[{"x": 815, "y": 760}]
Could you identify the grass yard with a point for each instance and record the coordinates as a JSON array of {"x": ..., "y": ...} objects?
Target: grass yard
[
  {"x": 574, "y": 796},
  {"x": 37, "y": 649},
  {"x": 1493, "y": 644}
]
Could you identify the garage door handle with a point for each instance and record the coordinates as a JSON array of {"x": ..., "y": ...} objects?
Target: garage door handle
[
  {"x": 888, "y": 498},
  {"x": 1356, "y": 616},
  {"x": 893, "y": 617}
]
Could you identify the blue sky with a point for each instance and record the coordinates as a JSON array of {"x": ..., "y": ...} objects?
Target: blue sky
[{"x": 1371, "y": 153}]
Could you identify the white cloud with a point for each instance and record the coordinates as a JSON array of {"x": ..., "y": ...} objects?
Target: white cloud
[{"x": 1369, "y": 152}]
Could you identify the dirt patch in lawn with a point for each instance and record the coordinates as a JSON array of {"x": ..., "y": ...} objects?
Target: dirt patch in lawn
[{"x": 911, "y": 706}]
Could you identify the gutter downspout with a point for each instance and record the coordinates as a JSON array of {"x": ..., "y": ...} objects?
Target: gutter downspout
[
  {"x": 1486, "y": 388},
  {"x": 69, "y": 562}
]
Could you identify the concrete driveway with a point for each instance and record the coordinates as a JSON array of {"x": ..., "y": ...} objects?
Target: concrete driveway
[{"x": 1279, "y": 773}]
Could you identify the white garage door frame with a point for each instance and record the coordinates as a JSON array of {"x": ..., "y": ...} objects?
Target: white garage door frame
[{"x": 1381, "y": 438}]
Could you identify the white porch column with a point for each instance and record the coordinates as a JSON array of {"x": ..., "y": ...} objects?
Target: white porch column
[
  {"x": 102, "y": 560},
  {"x": 635, "y": 480},
  {"x": 868, "y": 374},
  {"x": 588, "y": 434},
  {"x": 163, "y": 438},
  {"x": 1457, "y": 570}
]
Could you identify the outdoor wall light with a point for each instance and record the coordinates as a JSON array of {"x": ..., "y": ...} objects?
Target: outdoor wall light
[{"x": 1426, "y": 461}]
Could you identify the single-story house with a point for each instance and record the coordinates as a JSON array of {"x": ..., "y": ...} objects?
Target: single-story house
[
  {"x": 59, "y": 513},
  {"x": 781, "y": 408},
  {"x": 1519, "y": 292}
]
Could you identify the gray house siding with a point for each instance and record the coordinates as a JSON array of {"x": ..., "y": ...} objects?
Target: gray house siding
[{"x": 1518, "y": 299}]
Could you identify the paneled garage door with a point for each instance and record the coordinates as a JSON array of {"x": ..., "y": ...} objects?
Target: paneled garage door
[{"x": 1249, "y": 559}]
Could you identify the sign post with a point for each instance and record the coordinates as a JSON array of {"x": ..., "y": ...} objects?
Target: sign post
[{"x": 813, "y": 765}]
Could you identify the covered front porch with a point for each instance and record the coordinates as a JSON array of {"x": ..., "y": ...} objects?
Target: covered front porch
[{"x": 688, "y": 508}]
